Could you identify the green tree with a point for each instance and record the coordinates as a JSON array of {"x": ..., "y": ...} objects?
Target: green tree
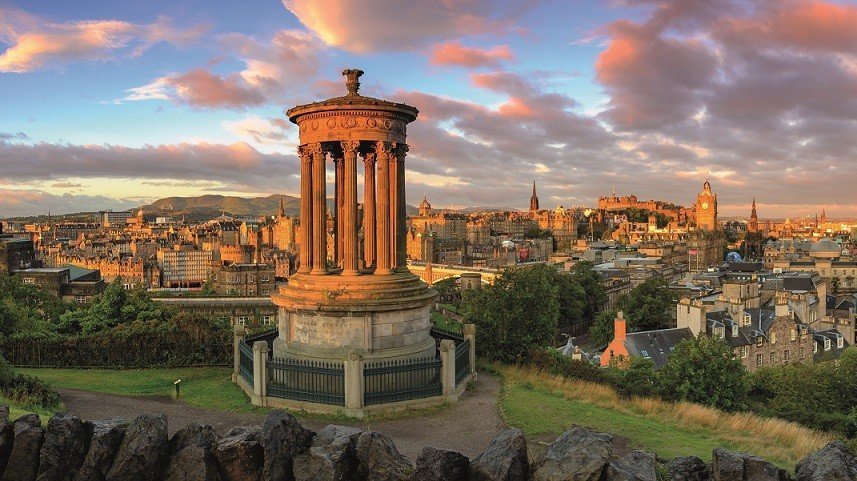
[
  {"x": 516, "y": 314},
  {"x": 601, "y": 331},
  {"x": 636, "y": 377},
  {"x": 649, "y": 305},
  {"x": 703, "y": 370},
  {"x": 584, "y": 275}
]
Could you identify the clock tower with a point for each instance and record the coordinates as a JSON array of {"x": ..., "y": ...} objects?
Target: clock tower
[{"x": 706, "y": 208}]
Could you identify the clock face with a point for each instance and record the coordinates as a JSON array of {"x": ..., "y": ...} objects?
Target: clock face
[{"x": 705, "y": 205}]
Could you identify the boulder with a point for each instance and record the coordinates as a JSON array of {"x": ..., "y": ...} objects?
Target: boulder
[
  {"x": 191, "y": 455},
  {"x": 105, "y": 441},
  {"x": 577, "y": 454},
  {"x": 240, "y": 455},
  {"x": 834, "y": 462},
  {"x": 23, "y": 464},
  {"x": 4, "y": 414},
  {"x": 688, "y": 468},
  {"x": 379, "y": 460},
  {"x": 6, "y": 439},
  {"x": 65, "y": 445},
  {"x": 332, "y": 456},
  {"x": 733, "y": 466},
  {"x": 283, "y": 438},
  {"x": 636, "y": 466},
  {"x": 505, "y": 459},
  {"x": 142, "y": 455},
  {"x": 438, "y": 465}
]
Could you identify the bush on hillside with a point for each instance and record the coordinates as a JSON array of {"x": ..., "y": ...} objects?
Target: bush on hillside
[{"x": 26, "y": 390}]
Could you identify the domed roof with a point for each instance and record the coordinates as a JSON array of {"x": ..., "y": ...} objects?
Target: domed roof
[{"x": 825, "y": 245}]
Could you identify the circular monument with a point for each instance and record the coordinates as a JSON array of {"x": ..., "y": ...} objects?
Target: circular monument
[{"x": 358, "y": 295}]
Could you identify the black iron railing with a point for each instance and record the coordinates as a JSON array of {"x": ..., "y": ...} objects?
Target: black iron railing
[
  {"x": 309, "y": 381},
  {"x": 462, "y": 361},
  {"x": 245, "y": 363},
  {"x": 440, "y": 335},
  {"x": 392, "y": 381}
]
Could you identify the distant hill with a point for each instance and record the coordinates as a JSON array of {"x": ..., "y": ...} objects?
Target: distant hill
[{"x": 210, "y": 206}]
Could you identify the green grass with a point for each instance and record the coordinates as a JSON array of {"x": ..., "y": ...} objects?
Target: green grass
[
  {"x": 204, "y": 387},
  {"x": 17, "y": 410},
  {"x": 445, "y": 324}
]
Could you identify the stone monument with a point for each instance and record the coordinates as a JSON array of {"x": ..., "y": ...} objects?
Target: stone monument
[{"x": 360, "y": 298}]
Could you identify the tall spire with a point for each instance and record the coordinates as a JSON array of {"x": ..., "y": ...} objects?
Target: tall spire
[
  {"x": 534, "y": 199},
  {"x": 282, "y": 212}
]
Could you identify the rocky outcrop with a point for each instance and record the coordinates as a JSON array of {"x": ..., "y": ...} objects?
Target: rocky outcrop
[
  {"x": 240, "y": 455},
  {"x": 505, "y": 459},
  {"x": 104, "y": 444},
  {"x": 143, "y": 452},
  {"x": 64, "y": 447},
  {"x": 70, "y": 449},
  {"x": 438, "y": 465},
  {"x": 834, "y": 462},
  {"x": 192, "y": 455},
  {"x": 735, "y": 466},
  {"x": 576, "y": 454},
  {"x": 283, "y": 438},
  {"x": 23, "y": 464}
]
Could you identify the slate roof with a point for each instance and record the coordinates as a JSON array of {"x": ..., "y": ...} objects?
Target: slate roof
[{"x": 655, "y": 345}]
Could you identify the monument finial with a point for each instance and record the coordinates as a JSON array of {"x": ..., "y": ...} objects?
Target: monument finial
[{"x": 352, "y": 81}]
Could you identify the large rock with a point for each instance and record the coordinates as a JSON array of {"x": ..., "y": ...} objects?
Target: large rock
[
  {"x": 438, "y": 465},
  {"x": 4, "y": 414},
  {"x": 23, "y": 462},
  {"x": 636, "y": 466},
  {"x": 143, "y": 452},
  {"x": 379, "y": 460},
  {"x": 239, "y": 454},
  {"x": 688, "y": 468},
  {"x": 834, "y": 462},
  {"x": 6, "y": 439},
  {"x": 64, "y": 448},
  {"x": 192, "y": 455},
  {"x": 104, "y": 444},
  {"x": 505, "y": 459},
  {"x": 283, "y": 438},
  {"x": 732, "y": 466},
  {"x": 578, "y": 454},
  {"x": 332, "y": 456}
]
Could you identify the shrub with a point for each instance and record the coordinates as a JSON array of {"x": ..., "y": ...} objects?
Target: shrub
[{"x": 24, "y": 389}]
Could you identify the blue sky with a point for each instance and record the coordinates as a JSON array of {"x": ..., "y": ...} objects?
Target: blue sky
[{"x": 112, "y": 104}]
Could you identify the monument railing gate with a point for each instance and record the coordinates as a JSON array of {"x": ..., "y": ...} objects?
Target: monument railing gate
[
  {"x": 305, "y": 380},
  {"x": 245, "y": 364},
  {"x": 401, "y": 380},
  {"x": 462, "y": 361}
]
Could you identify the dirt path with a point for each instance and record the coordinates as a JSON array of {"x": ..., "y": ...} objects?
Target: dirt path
[{"x": 467, "y": 426}]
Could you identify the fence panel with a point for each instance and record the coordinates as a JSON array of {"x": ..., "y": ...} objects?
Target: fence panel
[
  {"x": 245, "y": 364},
  {"x": 309, "y": 381},
  {"x": 392, "y": 381},
  {"x": 462, "y": 361},
  {"x": 440, "y": 335}
]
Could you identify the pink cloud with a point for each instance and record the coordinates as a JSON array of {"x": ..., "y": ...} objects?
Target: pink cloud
[
  {"x": 201, "y": 88},
  {"x": 36, "y": 44},
  {"x": 364, "y": 26},
  {"x": 454, "y": 53}
]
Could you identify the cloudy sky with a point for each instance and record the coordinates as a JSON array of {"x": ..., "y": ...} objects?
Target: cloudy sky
[{"x": 113, "y": 104}]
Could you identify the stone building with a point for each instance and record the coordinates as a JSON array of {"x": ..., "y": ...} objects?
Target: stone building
[
  {"x": 16, "y": 253},
  {"x": 245, "y": 279},
  {"x": 183, "y": 266},
  {"x": 706, "y": 209},
  {"x": 69, "y": 283}
]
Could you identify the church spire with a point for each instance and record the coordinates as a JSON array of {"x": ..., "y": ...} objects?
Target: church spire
[
  {"x": 282, "y": 212},
  {"x": 534, "y": 199}
]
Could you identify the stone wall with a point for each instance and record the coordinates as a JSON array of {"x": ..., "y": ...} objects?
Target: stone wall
[{"x": 283, "y": 450}]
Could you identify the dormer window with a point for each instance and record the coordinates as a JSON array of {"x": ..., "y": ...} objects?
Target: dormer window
[
  {"x": 734, "y": 331},
  {"x": 746, "y": 319},
  {"x": 840, "y": 342},
  {"x": 759, "y": 341},
  {"x": 826, "y": 343}
]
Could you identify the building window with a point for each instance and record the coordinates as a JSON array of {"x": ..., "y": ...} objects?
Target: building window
[
  {"x": 773, "y": 337},
  {"x": 80, "y": 299},
  {"x": 840, "y": 342},
  {"x": 826, "y": 343},
  {"x": 785, "y": 355},
  {"x": 815, "y": 348},
  {"x": 794, "y": 335},
  {"x": 264, "y": 278},
  {"x": 759, "y": 341},
  {"x": 242, "y": 320},
  {"x": 743, "y": 352},
  {"x": 802, "y": 355},
  {"x": 266, "y": 320},
  {"x": 758, "y": 359},
  {"x": 773, "y": 358},
  {"x": 29, "y": 280}
]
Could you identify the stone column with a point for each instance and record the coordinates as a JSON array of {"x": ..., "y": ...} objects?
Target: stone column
[
  {"x": 400, "y": 250},
  {"x": 447, "y": 366},
  {"x": 382, "y": 237},
  {"x": 369, "y": 209},
  {"x": 260, "y": 372},
  {"x": 394, "y": 205},
  {"x": 319, "y": 210},
  {"x": 339, "y": 202},
  {"x": 470, "y": 335},
  {"x": 354, "y": 385},
  {"x": 306, "y": 209},
  {"x": 237, "y": 338},
  {"x": 350, "y": 255}
]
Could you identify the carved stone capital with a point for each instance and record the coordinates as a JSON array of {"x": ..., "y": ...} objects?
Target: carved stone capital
[
  {"x": 350, "y": 146},
  {"x": 313, "y": 149},
  {"x": 369, "y": 158},
  {"x": 383, "y": 148}
]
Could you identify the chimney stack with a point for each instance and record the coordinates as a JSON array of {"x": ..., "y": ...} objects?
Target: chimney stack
[{"x": 619, "y": 327}]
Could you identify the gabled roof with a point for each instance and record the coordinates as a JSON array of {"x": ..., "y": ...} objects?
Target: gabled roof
[{"x": 656, "y": 345}]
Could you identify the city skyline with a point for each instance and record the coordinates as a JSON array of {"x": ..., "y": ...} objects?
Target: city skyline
[{"x": 115, "y": 106}]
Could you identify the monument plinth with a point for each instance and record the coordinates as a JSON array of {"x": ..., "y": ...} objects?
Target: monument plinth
[{"x": 362, "y": 298}]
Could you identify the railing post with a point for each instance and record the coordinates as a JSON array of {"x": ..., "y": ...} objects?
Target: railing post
[
  {"x": 354, "y": 385},
  {"x": 447, "y": 366},
  {"x": 470, "y": 335},
  {"x": 238, "y": 333},
  {"x": 260, "y": 372}
]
